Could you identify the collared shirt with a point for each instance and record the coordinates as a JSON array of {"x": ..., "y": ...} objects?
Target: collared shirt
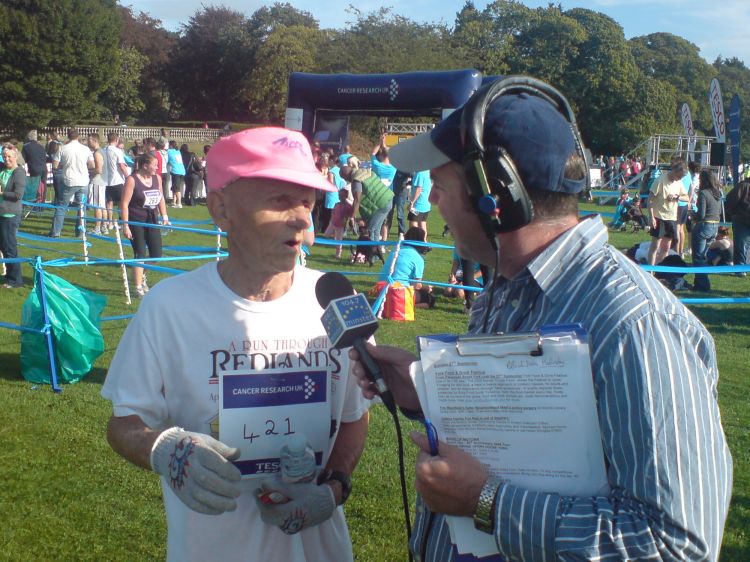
[{"x": 655, "y": 377}]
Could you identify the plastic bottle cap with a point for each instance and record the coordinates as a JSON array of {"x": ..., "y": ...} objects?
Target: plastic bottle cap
[{"x": 296, "y": 443}]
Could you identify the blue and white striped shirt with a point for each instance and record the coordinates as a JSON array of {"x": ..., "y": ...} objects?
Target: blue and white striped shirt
[{"x": 655, "y": 377}]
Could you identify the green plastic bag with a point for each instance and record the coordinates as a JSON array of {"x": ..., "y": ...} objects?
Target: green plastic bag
[{"x": 74, "y": 317}]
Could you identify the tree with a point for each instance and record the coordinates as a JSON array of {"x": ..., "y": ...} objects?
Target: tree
[
  {"x": 268, "y": 19},
  {"x": 477, "y": 44},
  {"x": 286, "y": 50},
  {"x": 380, "y": 41},
  {"x": 56, "y": 59},
  {"x": 123, "y": 95},
  {"x": 147, "y": 36},
  {"x": 677, "y": 61},
  {"x": 210, "y": 64}
]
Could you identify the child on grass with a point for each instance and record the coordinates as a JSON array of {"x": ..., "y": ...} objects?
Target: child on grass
[{"x": 341, "y": 213}]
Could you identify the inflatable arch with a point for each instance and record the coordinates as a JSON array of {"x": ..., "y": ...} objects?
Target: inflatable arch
[{"x": 319, "y": 104}]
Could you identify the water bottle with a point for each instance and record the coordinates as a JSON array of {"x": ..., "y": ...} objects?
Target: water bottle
[{"x": 297, "y": 460}]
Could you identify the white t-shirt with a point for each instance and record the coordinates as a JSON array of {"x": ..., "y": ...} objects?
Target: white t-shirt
[
  {"x": 74, "y": 159},
  {"x": 111, "y": 171},
  {"x": 166, "y": 370}
]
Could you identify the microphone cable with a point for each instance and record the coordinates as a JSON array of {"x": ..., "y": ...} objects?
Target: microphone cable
[{"x": 402, "y": 474}]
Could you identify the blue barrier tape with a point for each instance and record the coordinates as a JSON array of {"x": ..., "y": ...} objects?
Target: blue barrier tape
[
  {"x": 702, "y": 269},
  {"x": 162, "y": 269},
  {"x": 197, "y": 249},
  {"x": 58, "y": 240},
  {"x": 121, "y": 317},
  {"x": 138, "y": 262},
  {"x": 717, "y": 300},
  {"x": 20, "y": 328}
]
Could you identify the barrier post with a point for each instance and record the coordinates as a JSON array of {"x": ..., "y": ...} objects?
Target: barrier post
[
  {"x": 82, "y": 227},
  {"x": 123, "y": 268},
  {"x": 377, "y": 306},
  {"x": 47, "y": 329}
]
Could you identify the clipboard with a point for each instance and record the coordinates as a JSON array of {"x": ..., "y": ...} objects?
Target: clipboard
[{"x": 523, "y": 404}]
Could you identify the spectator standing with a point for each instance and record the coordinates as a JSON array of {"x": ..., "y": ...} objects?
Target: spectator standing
[
  {"x": 97, "y": 197},
  {"x": 192, "y": 175},
  {"x": 738, "y": 209},
  {"x": 706, "y": 225},
  {"x": 36, "y": 162},
  {"x": 166, "y": 180},
  {"x": 419, "y": 208},
  {"x": 115, "y": 172},
  {"x": 662, "y": 206},
  {"x": 12, "y": 186},
  {"x": 176, "y": 170},
  {"x": 75, "y": 160}
]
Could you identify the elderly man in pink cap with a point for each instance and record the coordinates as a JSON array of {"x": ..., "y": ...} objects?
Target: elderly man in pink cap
[{"x": 253, "y": 317}]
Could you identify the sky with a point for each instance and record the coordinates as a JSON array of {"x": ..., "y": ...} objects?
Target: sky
[{"x": 717, "y": 27}]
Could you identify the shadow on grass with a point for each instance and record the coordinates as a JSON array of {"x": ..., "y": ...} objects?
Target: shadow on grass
[
  {"x": 11, "y": 367},
  {"x": 737, "y": 524},
  {"x": 11, "y": 370},
  {"x": 725, "y": 319}
]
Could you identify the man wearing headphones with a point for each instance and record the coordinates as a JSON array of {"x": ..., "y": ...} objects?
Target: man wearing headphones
[{"x": 508, "y": 168}]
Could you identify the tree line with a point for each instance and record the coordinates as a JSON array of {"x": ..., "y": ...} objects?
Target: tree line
[{"x": 65, "y": 61}]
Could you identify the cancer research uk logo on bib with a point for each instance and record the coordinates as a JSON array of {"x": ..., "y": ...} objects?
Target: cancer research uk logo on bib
[{"x": 274, "y": 389}]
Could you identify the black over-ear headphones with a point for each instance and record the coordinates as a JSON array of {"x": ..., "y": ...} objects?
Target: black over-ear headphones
[{"x": 495, "y": 186}]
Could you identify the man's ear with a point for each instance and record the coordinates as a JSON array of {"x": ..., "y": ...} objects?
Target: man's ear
[{"x": 215, "y": 201}]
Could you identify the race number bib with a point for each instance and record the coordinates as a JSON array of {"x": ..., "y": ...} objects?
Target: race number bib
[
  {"x": 257, "y": 413},
  {"x": 152, "y": 197}
]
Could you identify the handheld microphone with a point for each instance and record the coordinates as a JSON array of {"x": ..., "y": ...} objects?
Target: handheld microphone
[{"x": 349, "y": 321}]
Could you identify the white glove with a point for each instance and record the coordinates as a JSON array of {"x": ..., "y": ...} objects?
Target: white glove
[
  {"x": 308, "y": 505},
  {"x": 198, "y": 470}
]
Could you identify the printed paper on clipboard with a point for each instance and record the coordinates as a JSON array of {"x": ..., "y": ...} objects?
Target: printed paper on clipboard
[{"x": 523, "y": 404}]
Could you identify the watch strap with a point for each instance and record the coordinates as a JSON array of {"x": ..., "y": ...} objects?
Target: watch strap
[
  {"x": 485, "y": 511},
  {"x": 340, "y": 477}
]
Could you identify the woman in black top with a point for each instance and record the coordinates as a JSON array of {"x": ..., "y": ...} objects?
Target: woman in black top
[
  {"x": 706, "y": 225},
  {"x": 142, "y": 201},
  {"x": 12, "y": 186}
]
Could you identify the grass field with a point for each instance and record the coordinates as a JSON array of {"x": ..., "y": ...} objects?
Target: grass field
[{"x": 67, "y": 496}]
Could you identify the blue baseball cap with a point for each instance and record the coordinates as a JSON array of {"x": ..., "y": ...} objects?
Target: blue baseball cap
[{"x": 535, "y": 134}]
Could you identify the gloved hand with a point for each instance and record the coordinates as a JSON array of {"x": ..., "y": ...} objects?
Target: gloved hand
[
  {"x": 198, "y": 470},
  {"x": 308, "y": 505}
]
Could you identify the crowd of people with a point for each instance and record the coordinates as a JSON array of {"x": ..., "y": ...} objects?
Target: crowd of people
[{"x": 138, "y": 183}]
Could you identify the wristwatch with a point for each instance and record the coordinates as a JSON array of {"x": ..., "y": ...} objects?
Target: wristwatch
[
  {"x": 342, "y": 478},
  {"x": 485, "y": 511}
]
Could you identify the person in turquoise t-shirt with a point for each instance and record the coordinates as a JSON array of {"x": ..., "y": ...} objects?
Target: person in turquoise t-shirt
[
  {"x": 381, "y": 164},
  {"x": 177, "y": 172},
  {"x": 421, "y": 186},
  {"x": 409, "y": 267}
]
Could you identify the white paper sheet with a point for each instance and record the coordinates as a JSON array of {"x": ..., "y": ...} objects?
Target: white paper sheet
[{"x": 531, "y": 420}]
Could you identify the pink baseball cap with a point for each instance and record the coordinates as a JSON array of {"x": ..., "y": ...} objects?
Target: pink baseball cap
[{"x": 266, "y": 152}]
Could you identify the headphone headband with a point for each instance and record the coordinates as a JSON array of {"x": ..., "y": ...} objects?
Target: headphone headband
[{"x": 475, "y": 110}]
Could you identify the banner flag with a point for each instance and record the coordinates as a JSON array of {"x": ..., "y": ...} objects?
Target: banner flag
[
  {"x": 717, "y": 111},
  {"x": 687, "y": 124}
]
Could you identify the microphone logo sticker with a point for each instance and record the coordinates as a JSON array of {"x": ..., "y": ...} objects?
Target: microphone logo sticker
[{"x": 310, "y": 387}]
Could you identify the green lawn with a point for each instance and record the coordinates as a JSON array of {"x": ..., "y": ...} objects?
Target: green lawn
[{"x": 67, "y": 496}]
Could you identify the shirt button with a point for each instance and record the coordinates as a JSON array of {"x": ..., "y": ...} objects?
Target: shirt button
[{"x": 514, "y": 303}]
